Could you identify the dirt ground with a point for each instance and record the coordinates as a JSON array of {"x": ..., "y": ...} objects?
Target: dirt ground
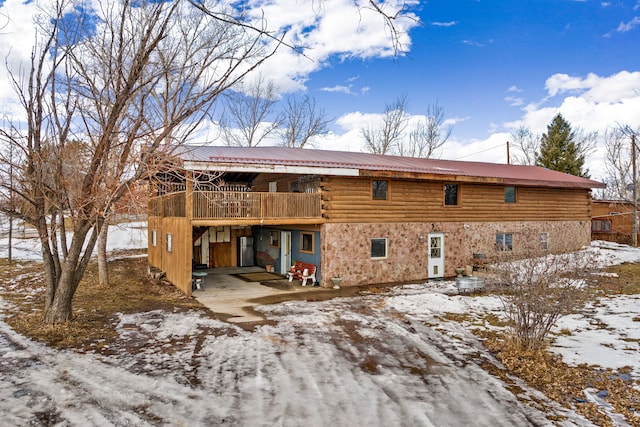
[{"x": 132, "y": 291}]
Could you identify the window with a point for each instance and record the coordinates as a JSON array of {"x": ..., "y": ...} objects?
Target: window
[
  {"x": 274, "y": 238},
  {"x": 601, "y": 225},
  {"x": 544, "y": 241},
  {"x": 504, "y": 242},
  {"x": 169, "y": 242},
  {"x": 435, "y": 247},
  {"x": 379, "y": 248},
  {"x": 306, "y": 243},
  {"x": 509, "y": 194},
  {"x": 379, "y": 190},
  {"x": 223, "y": 234},
  {"x": 154, "y": 238},
  {"x": 451, "y": 194}
]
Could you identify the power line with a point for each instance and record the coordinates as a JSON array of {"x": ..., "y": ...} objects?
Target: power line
[{"x": 479, "y": 152}]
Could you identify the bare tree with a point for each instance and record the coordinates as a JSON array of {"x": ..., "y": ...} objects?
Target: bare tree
[
  {"x": 248, "y": 118},
  {"x": 619, "y": 162},
  {"x": 302, "y": 121},
  {"x": 384, "y": 138},
  {"x": 528, "y": 144},
  {"x": 126, "y": 81},
  {"x": 537, "y": 288},
  {"x": 427, "y": 135},
  {"x": 147, "y": 76}
]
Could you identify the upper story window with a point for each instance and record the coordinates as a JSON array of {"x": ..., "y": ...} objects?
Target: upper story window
[
  {"x": 510, "y": 194},
  {"x": 380, "y": 190},
  {"x": 451, "y": 194}
]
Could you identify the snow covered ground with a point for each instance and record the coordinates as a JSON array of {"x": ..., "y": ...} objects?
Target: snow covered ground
[{"x": 372, "y": 360}]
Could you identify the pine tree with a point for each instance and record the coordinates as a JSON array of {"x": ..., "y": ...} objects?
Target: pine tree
[{"x": 559, "y": 149}]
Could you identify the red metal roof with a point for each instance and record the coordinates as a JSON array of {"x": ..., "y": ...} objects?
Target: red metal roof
[{"x": 449, "y": 169}]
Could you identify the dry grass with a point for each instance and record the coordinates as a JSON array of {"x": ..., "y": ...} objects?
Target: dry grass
[
  {"x": 627, "y": 281},
  {"x": 565, "y": 384},
  {"x": 95, "y": 311},
  {"x": 94, "y": 307}
]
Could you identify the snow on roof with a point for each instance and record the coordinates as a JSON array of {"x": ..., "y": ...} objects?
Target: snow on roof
[{"x": 199, "y": 156}]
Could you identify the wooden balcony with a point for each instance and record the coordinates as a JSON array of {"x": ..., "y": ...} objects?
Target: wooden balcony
[{"x": 217, "y": 207}]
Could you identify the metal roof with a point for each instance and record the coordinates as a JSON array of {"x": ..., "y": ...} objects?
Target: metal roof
[{"x": 351, "y": 163}]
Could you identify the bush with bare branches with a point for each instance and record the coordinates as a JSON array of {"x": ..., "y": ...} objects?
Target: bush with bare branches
[{"x": 537, "y": 289}]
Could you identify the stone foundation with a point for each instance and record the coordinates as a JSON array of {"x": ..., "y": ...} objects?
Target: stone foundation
[{"x": 346, "y": 247}]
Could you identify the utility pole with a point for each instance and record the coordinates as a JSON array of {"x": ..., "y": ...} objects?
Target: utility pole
[
  {"x": 508, "y": 155},
  {"x": 634, "y": 238}
]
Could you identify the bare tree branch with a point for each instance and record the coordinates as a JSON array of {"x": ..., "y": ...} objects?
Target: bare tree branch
[
  {"x": 428, "y": 135},
  {"x": 248, "y": 117},
  {"x": 382, "y": 139},
  {"x": 302, "y": 121}
]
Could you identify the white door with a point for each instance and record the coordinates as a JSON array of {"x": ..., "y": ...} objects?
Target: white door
[
  {"x": 285, "y": 251},
  {"x": 435, "y": 265}
]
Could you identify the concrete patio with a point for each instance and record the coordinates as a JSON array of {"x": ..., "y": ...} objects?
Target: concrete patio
[{"x": 233, "y": 298}]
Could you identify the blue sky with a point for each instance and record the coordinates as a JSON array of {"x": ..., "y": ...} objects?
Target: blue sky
[{"x": 492, "y": 65}]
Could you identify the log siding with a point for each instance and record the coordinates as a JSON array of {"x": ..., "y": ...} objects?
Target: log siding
[{"x": 349, "y": 200}]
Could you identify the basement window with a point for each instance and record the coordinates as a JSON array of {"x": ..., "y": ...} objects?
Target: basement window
[
  {"x": 544, "y": 241},
  {"x": 504, "y": 242},
  {"x": 378, "y": 248}
]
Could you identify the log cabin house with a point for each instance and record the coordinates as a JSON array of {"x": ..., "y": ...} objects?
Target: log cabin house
[
  {"x": 612, "y": 220},
  {"x": 367, "y": 218}
]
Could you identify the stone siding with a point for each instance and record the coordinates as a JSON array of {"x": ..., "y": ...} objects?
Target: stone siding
[{"x": 345, "y": 248}]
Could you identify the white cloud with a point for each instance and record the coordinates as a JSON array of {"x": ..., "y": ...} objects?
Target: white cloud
[
  {"x": 444, "y": 24},
  {"x": 339, "y": 89},
  {"x": 619, "y": 86},
  {"x": 514, "y": 88},
  {"x": 336, "y": 29},
  {"x": 323, "y": 31},
  {"x": 628, "y": 26},
  {"x": 472, "y": 43},
  {"x": 514, "y": 101},
  {"x": 15, "y": 44},
  {"x": 593, "y": 103}
]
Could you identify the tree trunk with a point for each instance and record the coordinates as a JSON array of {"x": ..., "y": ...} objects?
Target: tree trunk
[
  {"x": 103, "y": 270},
  {"x": 63, "y": 281},
  {"x": 60, "y": 309},
  {"x": 10, "y": 254}
]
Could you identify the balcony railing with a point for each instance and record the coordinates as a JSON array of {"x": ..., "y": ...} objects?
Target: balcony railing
[
  {"x": 173, "y": 204},
  {"x": 218, "y": 205},
  {"x": 223, "y": 205}
]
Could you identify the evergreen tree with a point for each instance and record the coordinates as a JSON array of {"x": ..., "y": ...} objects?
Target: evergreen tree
[{"x": 559, "y": 149}]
